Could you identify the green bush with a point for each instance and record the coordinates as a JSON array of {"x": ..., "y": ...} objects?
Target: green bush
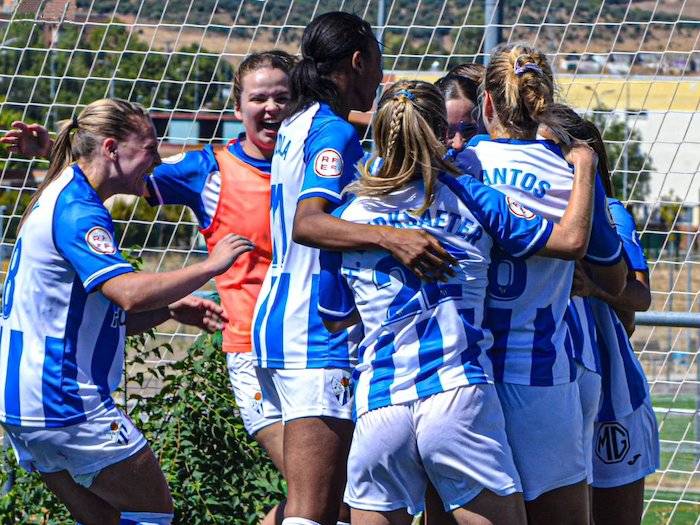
[{"x": 217, "y": 474}]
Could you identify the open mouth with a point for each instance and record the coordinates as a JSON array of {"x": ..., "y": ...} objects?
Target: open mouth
[{"x": 272, "y": 126}]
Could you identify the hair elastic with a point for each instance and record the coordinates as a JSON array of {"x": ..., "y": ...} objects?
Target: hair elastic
[
  {"x": 519, "y": 70},
  {"x": 404, "y": 93},
  {"x": 74, "y": 122}
]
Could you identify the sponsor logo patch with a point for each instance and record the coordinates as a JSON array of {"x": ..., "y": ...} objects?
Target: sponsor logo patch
[
  {"x": 612, "y": 443},
  {"x": 173, "y": 159},
  {"x": 328, "y": 164},
  {"x": 518, "y": 210},
  {"x": 100, "y": 241}
]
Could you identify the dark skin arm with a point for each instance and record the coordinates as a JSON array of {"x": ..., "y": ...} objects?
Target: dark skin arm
[
  {"x": 636, "y": 297},
  {"x": 337, "y": 326},
  {"x": 415, "y": 249}
]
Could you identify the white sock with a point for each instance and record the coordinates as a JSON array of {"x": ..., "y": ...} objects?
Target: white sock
[
  {"x": 145, "y": 518},
  {"x": 343, "y": 523},
  {"x": 299, "y": 521}
]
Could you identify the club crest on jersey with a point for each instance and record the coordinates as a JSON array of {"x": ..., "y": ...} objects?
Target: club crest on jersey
[
  {"x": 612, "y": 443},
  {"x": 117, "y": 433},
  {"x": 100, "y": 241},
  {"x": 519, "y": 210},
  {"x": 328, "y": 164},
  {"x": 341, "y": 389}
]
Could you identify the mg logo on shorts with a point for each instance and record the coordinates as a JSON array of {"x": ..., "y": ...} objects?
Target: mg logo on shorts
[{"x": 612, "y": 443}]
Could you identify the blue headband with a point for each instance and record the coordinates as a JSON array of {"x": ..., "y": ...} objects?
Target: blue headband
[{"x": 405, "y": 93}]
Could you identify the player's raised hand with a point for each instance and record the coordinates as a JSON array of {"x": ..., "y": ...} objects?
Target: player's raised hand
[
  {"x": 199, "y": 312},
  {"x": 226, "y": 251},
  {"x": 580, "y": 153},
  {"x": 30, "y": 140},
  {"x": 420, "y": 252}
]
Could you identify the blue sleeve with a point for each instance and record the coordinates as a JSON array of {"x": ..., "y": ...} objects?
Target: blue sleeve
[
  {"x": 604, "y": 246},
  {"x": 84, "y": 236},
  {"x": 180, "y": 180},
  {"x": 626, "y": 229},
  {"x": 336, "y": 301},
  {"x": 468, "y": 163},
  {"x": 514, "y": 228},
  {"x": 331, "y": 153}
]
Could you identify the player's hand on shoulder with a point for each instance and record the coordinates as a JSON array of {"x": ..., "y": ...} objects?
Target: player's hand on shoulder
[
  {"x": 420, "y": 252},
  {"x": 30, "y": 140},
  {"x": 199, "y": 312},
  {"x": 579, "y": 152},
  {"x": 226, "y": 251}
]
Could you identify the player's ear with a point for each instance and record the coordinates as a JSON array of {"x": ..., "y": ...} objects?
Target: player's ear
[
  {"x": 237, "y": 112},
  {"x": 357, "y": 61},
  {"x": 487, "y": 110},
  {"x": 109, "y": 148}
]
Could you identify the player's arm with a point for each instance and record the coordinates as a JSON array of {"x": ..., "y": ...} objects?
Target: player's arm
[
  {"x": 522, "y": 233},
  {"x": 416, "y": 249},
  {"x": 330, "y": 157},
  {"x": 337, "y": 326},
  {"x": 144, "y": 291},
  {"x": 569, "y": 238},
  {"x": 190, "y": 310},
  {"x": 636, "y": 296}
]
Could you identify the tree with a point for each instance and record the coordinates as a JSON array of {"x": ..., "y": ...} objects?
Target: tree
[{"x": 622, "y": 144}]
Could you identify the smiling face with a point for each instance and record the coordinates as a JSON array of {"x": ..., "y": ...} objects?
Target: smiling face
[
  {"x": 264, "y": 95},
  {"x": 136, "y": 156}
]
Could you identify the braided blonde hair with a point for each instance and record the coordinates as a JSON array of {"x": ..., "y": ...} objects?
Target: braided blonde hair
[{"x": 408, "y": 127}]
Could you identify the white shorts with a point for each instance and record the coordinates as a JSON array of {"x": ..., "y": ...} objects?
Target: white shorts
[
  {"x": 545, "y": 431},
  {"x": 247, "y": 391},
  {"x": 589, "y": 391},
  {"x": 456, "y": 439},
  {"x": 626, "y": 450},
  {"x": 307, "y": 392},
  {"x": 83, "y": 449}
]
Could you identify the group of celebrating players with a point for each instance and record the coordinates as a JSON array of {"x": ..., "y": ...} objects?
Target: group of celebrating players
[{"x": 440, "y": 327}]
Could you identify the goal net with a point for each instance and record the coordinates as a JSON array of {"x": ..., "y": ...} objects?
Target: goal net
[{"x": 632, "y": 65}]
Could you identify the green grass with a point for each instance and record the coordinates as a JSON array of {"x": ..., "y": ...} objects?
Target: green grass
[{"x": 662, "y": 513}]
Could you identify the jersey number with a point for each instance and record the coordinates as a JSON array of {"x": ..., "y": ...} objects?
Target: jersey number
[
  {"x": 8, "y": 291},
  {"x": 507, "y": 277}
]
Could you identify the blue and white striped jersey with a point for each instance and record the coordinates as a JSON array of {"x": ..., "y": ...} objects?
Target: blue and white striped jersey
[
  {"x": 315, "y": 156},
  {"x": 193, "y": 179},
  {"x": 527, "y": 300},
  {"x": 61, "y": 340},
  {"x": 624, "y": 386},
  {"x": 424, "y": 338}
]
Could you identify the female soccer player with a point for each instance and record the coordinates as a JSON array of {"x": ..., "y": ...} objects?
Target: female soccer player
[
  {"x": 461, "y": 94},
  {"x": 68, "y": 300},
  {"x": 533, "y": 361},
  {"x": 304, "y": 370},
  {"x": 625, "y": 438},
  {"x": 228, "y": 189},
  {"x": 424, "y": 398}
]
